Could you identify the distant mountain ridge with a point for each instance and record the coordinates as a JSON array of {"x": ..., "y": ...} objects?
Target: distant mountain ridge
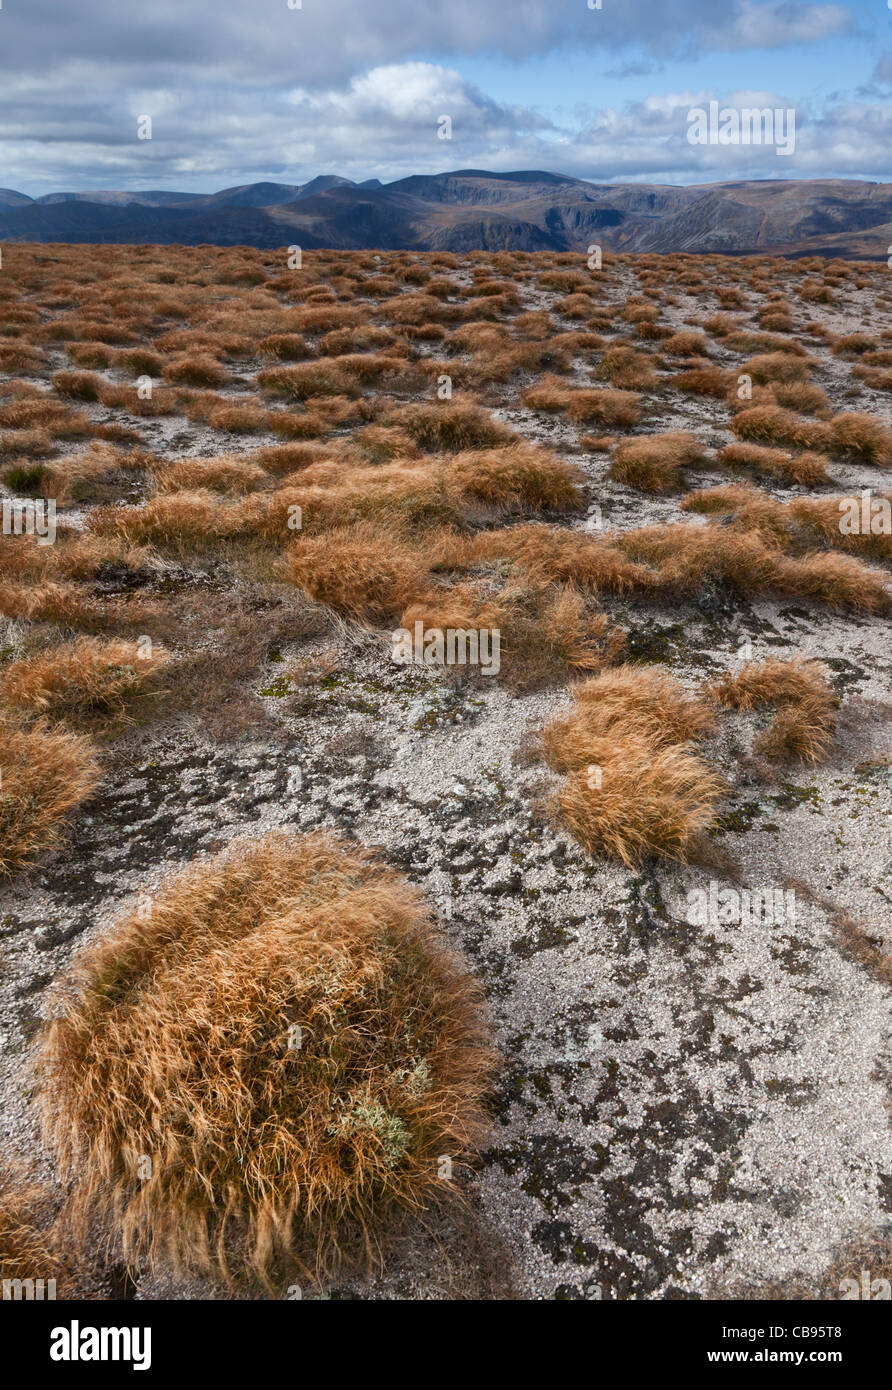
[{"x": 474, "y": 209}]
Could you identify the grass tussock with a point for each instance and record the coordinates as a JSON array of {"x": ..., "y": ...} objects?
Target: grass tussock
[
  {"x": 235, "y": 477},
  {"x": 28, "y": 1249},
  {"x": 451, "y": 426},
  {"x": 608, "y": 407},
  {"x": 654, "y": 463},
  {"x": 288, "y": 1042},
  {"x": 80, "y": 678},
  {"x": 546, "y": 631},
  {"x": 771, "y": 424},
  {"x": 805, "y": 718},
  {"x": 361, "y": 571},
  {"x": 627, "y": 368},
  {"x": 45, "y": 774},
  {"x": 808, "y": 469},
  {"x": 518, "y": 477},
  {"x": 856, "y": 435},
  {"x": 633, "y": 786}
]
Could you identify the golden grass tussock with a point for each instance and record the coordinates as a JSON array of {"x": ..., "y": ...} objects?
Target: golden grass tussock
[
  {"x": 77, "y": 477},
  {"x": 361, "y": 571},
  {"x": 545, "y": 631},
  {"x": 608, "y": 407},
  {"x": 550, "y": 554},
  {"x": 682, "y": 558},
  {"x": 197, "y": 369},
  {"x": 28, "y": 1248},
  {"x": 771, "y": 424},
  {"x": 654, "y": 463},
  {"x": 776, "y": 366},
  {"x": 517, "y": 477},
  {"x": 627, "y": 368},
  {"x": 804, "y": 723},
  {"x": 45, "y": 774},
  {"x": 858, "y": 436},
  {"x": 73, "y": 606},
  {"x": 858, "y": 523},
  {"x": 179, "y": 521},
  {"x": 235, "y": 477},
  {"x": 808, "y": 468},
  {"x": 685, "y": 344},
  {"x": 308, "y": 379},
  {"x": 451, "y": 426},
  {"x": 633, "y": 787},
  {"x": 704, "y": 380},
  {"x": 643, "y": 697},
  {"x": 653, "y": 800},
  {"x": 288, "y": 1041},
  {"x": 800, "y": 396},
  {"x": 81, "y": 677}
]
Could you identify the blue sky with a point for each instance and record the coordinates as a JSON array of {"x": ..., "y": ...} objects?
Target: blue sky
[{"x": 242, "y": 92}]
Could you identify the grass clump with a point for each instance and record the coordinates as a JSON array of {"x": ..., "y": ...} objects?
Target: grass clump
[
  {"x": 807, "y": 468},
  {"x": 451, "y": 426},
  {"x": 45, "y": 774},
  {"x": 805, "y": 704},
  {"x": 360, "y": 571},
  {"x": 28, "y": 1249},
  {"x": 288, "y": 1042},
  {"x": 613, "y": 409},
  {"x": 79, "y": 678},
  {"x": 653, "y": 463},
  {"x": 633, "y": 788}
]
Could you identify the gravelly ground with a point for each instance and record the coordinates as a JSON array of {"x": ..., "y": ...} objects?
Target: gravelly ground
[{"x": 683, "y": 1109}]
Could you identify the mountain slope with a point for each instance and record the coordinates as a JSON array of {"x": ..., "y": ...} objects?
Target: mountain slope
[{"x": 472, "y": 208}]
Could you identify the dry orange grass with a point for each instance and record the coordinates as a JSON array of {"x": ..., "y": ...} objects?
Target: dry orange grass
[
  {"x": 823, "y": 517},
  {"x": 653, "y": 800},
  {"x": 633, "y": 787},
  {"x": 681, "y": 559},
  {"x": 614, "y": 409},
  {"x": 361, "y": 571},
  {"x": 685, "y": 344},
  {"x": 806, "y": 468},
  {"x": 625, "y": 697},
  {"x": 80, "y": 677},
  {"x": 545, "y": 630},
  {"x": 704, "y": 381},
  {"x": 858, "y": 436},
  {"x": 777, "y": 366},
  {"x": 550, "y": 554},
  {"x": 234, "y": 477},
  {"x": 28, "y": 1249},
  {"x": 73, "y": 606},
  {"x": 308, "y": 379},
  {"x": 287, "y": 1041},
  {"x": 518, "y": 477},
  {"x": 45, "y": 774},
  {"x": 771, "y": 424},
  {"x": 627, "y": 368},
  {"x": 451, "y": 426},
  {"x": 806, "y": 706},
  {"x": 77, "y": 477},
  {"x": 654, "y": 463},
  {"x": 180, "y": 521}
]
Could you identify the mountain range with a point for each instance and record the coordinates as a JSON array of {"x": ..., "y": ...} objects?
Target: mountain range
[{"x": 473, "y": 209}]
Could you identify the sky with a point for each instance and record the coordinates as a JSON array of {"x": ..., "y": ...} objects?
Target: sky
[{"x": 246, "y": 90}]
